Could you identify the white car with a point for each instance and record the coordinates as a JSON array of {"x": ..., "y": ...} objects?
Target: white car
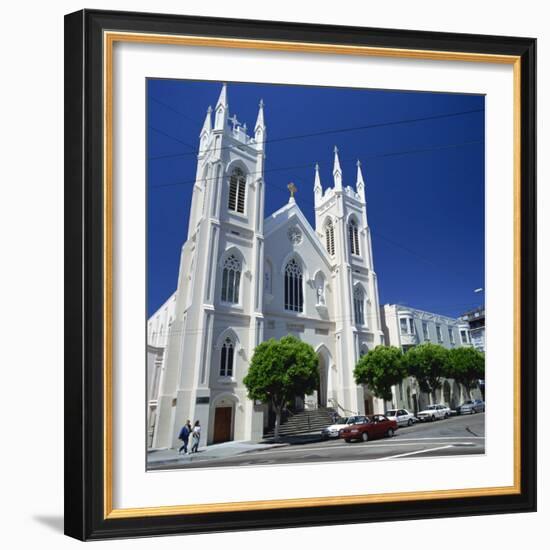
[
  {"x": 434, "y": 412},
  {"x": 333, "y": 431},
  {"x": 402, "y": 416}
]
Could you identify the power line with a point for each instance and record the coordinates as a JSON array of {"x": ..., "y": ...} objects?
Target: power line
[
  {"x": 342, "y": 161},
  {"x": 336, "y": 131},
  {"x": 173, "y": 109},
  {"x": 162, "y": 132}
]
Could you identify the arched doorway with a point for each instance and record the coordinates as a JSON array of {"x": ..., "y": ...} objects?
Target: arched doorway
[
  {"x": 224, "y": 420},
  {"x": 322, "y": 386},
  {"x": 323, "y": 365}
]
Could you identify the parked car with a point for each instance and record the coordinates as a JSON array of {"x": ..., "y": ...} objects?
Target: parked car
[
  {"x": 434, "y": 412},
  {"x": 471, "y": 407},
  {"x": 402, "y": 416},
  {"x": 372, "y": 427},
  {"x": 333, "y": 430}
]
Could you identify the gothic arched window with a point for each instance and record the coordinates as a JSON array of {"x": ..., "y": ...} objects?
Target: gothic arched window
[
  {"x": 237, "y": 190},
  {"x": 359, "y": 305},
  {"x": 231, "y": 279},
  {"x": 353, "y": 237},
  {"x": 294, "y": 294},
  {"x": 227, "y": 357},
  {"x": 329, "y": 236}
]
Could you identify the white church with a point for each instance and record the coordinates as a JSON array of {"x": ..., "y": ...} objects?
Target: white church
[{"x": 245, "y": 277}]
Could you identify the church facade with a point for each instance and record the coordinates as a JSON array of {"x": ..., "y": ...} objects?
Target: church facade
[{"x": 245, "y": 277}]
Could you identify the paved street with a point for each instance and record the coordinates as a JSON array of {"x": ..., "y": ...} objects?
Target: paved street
[{"x": 462, "y": 435}]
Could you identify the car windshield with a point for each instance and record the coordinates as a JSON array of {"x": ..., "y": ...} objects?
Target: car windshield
[
  {"x": 431, "y": 407},
  {"x": 342, "y": 421},
  {"x": 391, "y": 413}
]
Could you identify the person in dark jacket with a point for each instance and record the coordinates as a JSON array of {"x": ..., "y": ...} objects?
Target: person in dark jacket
[{"x": 184, "y": 436}]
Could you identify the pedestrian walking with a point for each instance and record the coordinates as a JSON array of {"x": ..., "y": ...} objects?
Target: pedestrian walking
[
  {"x": 185, "y": 432},
  {"x": 196, "y": 434}
]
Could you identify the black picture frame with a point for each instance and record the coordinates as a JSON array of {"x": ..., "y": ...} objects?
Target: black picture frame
[{"x": 85, "y": 497}]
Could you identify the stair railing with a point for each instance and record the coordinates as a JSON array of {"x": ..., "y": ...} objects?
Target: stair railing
[{"x": 338, "y": 407}]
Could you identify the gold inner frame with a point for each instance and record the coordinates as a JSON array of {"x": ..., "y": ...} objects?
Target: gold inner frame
[{"x": 109, "y": 39}]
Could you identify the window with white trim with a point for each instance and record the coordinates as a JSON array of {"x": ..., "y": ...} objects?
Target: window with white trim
[
  {"x": 353, "y": 237},
  {"x": 329, "y": 236},
  {"x": 231, "y": 279},
  {"x": 227, "y": 358},
  {"x": 359, "y": 305},
  {"x": 294, "y": 294},
  {"x": 451, "y": 335},
  {"x": 464, "y": 336},
  {"x": 425, "y": 332},
  {"x": 438, "y": 333},
  {"x": 237, "y": 191}
]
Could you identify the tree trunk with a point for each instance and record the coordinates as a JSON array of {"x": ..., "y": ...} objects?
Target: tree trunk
[{"x": 277, "y": 423}]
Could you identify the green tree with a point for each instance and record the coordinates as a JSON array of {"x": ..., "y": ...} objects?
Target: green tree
[
  {"x": 466, "y": 366},
  {"x": 279, "y": 371},
  {"x": 380, "y": 369},
  {"x": 428, "y": 363}
]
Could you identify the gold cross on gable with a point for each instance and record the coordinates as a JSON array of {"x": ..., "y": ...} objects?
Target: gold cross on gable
[{"x": 292, "y": 188}]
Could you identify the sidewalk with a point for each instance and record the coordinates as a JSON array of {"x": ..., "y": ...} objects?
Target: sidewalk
[{"x": 220, "y": 450}]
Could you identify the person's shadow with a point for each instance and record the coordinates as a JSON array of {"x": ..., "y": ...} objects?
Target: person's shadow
[{"x": 55, "y": 523}]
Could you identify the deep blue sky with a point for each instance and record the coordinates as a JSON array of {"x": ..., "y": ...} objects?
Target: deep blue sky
[{"x": 424, "y": 179}]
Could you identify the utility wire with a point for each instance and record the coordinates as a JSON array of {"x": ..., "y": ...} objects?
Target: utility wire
[
  {"x": 342, "y": 161},
  {"x": 335, "y": 131}
]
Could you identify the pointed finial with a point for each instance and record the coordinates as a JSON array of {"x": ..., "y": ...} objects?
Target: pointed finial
[
  {"x": 360, "y": 181},
  {"x": 260, "y": 124},
  {"x": 292, "y": 188},
  {"x": 337, "y": 171},
  {"x": 222, "y": 100},
  {"x": 207, "y": 126}
]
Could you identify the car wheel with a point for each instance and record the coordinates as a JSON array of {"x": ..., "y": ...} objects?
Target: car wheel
[
  {"x": 390, "y": 432},
  {"x": 347, "y": 440},
  {"x": 365, "y": 436},
  {"x": 446, "y": 415},
  {"x": 472, "y": 411},
  {"x": 433, "y": 418},
  {"x": 410, "y": 422}
]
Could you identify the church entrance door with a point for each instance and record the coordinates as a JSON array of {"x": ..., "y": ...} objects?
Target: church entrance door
[{"x": 222, "y": 424}]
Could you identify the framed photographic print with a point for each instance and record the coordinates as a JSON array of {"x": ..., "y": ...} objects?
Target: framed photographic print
[{"x": 300, "y": 274}]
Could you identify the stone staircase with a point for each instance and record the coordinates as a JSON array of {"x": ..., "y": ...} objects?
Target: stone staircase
[{"x": 304, "y": 422}]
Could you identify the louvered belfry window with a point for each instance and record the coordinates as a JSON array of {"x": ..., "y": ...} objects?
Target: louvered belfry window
[
  {"x": 237, "y": 190},
  {"x": 294, "y": 294},
  {"x": 359, "y": 305},
  {"x": 226, "y": 359},
  {"x": 231, "y": 279},
  {"x": 353, "y": 237},
  {"x": 329, "y": 237}
]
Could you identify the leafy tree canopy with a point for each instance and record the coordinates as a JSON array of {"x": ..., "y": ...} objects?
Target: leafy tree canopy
[
  {"x": 466, "y": 366},
  {"x": 428, "y": 363},
  {"x": 380, "y": 369},
  {"x": 281, "y": 369}
]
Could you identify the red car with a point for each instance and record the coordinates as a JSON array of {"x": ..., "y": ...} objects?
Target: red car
[{"x": 372, "y": 427}]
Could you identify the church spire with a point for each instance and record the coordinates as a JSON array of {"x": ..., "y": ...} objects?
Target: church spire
[
  {"x": 317, "y": 187},
  {"x": 337, "y": 171},
  {"x": 222, "y": 109},
  {"x": 260, "y": 120},
  {"x": 360, "y": 184},
  {"x": 259, "y": 129},
  {"x": 207, "y": 126}
]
